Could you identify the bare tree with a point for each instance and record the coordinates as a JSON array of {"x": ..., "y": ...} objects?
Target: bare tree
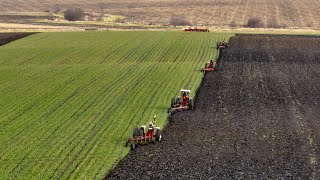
[
  {"x": 102, "y": 6},
  {"x": 56, "y": 8}
]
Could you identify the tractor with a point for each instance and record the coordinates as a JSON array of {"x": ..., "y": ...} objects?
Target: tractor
[
  {"x": 182, "y": 102},
  {"x": 221, "y": 45},
  {"x": 145, "y": 136},
  {"x": 209, "y": 66}
]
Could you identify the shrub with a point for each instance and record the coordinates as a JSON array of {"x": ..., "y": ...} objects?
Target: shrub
[
  {"x": 233, "y": 24},
  {"x": 273, "y": 23},
  {"x": 75, "y": 14},
  {"x": 179, "y": 21},
  {"x": 119, "y": 20},
  {"x": 254, "y": 23}
]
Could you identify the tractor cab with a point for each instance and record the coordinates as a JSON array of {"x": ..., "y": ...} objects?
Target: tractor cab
[
  {"x": 185, "y": 92},
  {"x": 184, "y": 98}
]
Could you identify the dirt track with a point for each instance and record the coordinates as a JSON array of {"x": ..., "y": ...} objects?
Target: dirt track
[{"x": 257, "y": 117}]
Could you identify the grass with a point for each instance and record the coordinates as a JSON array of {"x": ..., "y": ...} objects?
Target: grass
[{"x": 70, "y": 100}]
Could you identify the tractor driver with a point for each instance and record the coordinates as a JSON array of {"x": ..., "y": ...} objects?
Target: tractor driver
[
  {"x": 152, "y": 123},
  {"x": 222, "y": 43},
  {"x": 211, "y": 63},
  {"x": 184, "y": 98}
]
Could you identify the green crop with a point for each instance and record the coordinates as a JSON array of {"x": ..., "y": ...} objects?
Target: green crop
[{"x": 69, "y": 101}]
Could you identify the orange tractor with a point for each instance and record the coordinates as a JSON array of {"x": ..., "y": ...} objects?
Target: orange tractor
[
  {"x": 209, "y": 66},
  {"x": 182, "y": 102},
  {"x": 145, "y": 136}
]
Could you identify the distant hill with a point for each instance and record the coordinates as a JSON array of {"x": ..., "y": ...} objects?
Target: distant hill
[{"x": 214, "y": 13}]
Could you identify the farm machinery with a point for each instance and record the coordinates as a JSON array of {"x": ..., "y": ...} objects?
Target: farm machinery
[
  {"x": 196, "y": 29},
  {"x": 209, "y": 66},
  {"x": 182, "y": 102},
  {"x": 145, "y": 135},
  {"x": 221, "y": 45}
]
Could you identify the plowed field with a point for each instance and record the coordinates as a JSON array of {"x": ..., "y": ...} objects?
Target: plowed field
[{"x": 257, "y": 117}]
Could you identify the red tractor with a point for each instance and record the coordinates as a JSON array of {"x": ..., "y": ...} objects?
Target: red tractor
[
  {"x": 144, "y": 136},
  {"x": 221, "y": 45},
  {"x": 209, "y": 66},
  {"x": 182, "y": 102}
]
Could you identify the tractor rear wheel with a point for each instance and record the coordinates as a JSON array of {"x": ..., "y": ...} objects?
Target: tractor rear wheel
[
  {"x": 141, "y": 131},
  {"x": 173, "y": 102},
  {"x": 158, "y": 135},
  {"x": 136, "y": 132},
  {"x": 177, "y": 100},
  {"x": 191, "y": 104}
]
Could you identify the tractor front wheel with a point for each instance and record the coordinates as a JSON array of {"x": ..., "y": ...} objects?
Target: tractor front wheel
[
  {"x": 158, "y": 135},
  {"x": 191, "y": 104}
]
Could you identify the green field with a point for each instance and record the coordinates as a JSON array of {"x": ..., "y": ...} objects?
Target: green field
[{"x": 70, "y": 100}]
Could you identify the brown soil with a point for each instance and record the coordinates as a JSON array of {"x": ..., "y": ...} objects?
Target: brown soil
[
  {"x": 6, "y": 38},
  {"x": 256, "y": 117}
]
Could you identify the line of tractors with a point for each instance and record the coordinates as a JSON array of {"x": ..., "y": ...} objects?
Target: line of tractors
[
  {"x": 152, "y": 133},
  {"x": 196, "y": 29}
]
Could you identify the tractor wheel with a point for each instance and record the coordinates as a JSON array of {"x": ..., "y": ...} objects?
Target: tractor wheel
[
  {"x": 158, "y": 135},
  {"x": 177, "y": 100},
  {"x": 173, "y": 102},
  {"x": 133, "y": 146},
  {"x": 191, "y": 104},
  {"x": 141, "y": 131},
  {"x": 136, "y": 132}
]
